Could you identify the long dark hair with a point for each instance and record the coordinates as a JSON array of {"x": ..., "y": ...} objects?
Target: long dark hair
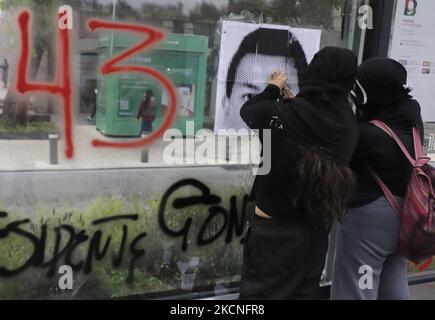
[
  {"x": 324, "y": 187},
  {"x": 321, "y": 118}
]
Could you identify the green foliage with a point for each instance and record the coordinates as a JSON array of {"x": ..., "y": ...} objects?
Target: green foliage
[
  {"x": 255, "y": 6},
  {"x": 156, "y": 271},
  {"x": 43, "y": 12},
  {"x": 294, "y": 12},
  {"x": 206, "y": 11},
  {"x": 32, "y": 127}
]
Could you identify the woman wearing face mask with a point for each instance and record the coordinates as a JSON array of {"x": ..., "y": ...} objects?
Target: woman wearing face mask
[
  {"x": 313, "y": 137},
  {"x": 369, "y": 237}
]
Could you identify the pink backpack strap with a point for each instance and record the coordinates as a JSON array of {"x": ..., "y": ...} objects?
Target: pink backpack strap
[
  {"x": 418, "y": 154},
  {"x": 418, "y": 147},
  {"x": 393, "y": 135},
  {"x": 420, "y": 160},
  {"x": 390, "y": 197}
]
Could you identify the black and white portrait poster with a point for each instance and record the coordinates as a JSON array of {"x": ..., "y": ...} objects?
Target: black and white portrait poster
[{"x": 249, "y": 53}]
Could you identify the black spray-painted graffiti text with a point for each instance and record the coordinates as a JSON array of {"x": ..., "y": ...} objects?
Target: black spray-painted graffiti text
[
  {"x": 232, "y": 223},
  {"x": 74, "y": 239},
  {"x": 52, "y": 246}
]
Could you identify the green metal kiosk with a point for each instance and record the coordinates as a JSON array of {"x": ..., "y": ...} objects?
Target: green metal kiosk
[{"x": 182, "y": 58}]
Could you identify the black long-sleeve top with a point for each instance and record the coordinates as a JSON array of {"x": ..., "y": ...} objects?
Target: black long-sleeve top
[
  {"x": 384, "y": 156},
  {"x": 274, "y": 192}
]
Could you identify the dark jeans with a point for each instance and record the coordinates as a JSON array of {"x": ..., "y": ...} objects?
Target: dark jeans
[
  {"x": 282, "y": 260},
  {"x": 147, "y": 126}
]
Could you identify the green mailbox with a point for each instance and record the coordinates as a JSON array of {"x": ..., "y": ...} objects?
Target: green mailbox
[{"x": 182, "y": 58}]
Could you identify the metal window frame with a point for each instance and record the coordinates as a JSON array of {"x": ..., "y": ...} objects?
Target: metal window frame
[{"x": 377, "y": 40}]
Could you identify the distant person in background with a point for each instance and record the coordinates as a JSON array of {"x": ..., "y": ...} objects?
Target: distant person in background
[
  {"x": 93, "y": 101},
  {"x": 5, "y": 69},
  {"x": 147, "y": 111}
]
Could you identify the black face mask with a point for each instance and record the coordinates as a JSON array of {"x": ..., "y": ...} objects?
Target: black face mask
[
  {"x": 380, "y": 82},
  {"x": 361, "y": 114},
  {"x": 380, "y": 88}
]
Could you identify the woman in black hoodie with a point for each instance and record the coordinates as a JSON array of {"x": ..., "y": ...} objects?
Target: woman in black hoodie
[
  {"x": 313, "y": 137},
  {"x": 368, "y": 264}
]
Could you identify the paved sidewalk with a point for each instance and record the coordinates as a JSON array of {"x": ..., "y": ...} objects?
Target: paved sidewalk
[
  {"x": 423, "y": 291},
  {"x": 34, "y": 154}
]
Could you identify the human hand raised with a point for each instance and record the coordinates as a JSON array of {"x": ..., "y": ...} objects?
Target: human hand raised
[
  {"x": 278, "y": 79},
  {"x": 287, "y": 93}
]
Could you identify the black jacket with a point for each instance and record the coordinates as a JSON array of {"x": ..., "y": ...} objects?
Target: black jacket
[
  {"x": 275, "y": 191},
  {"x": 381, "y": 152}
]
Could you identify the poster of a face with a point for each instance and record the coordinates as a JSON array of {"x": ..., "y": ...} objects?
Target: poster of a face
[
  {"x": 410, "y": 7},
  {"x": 186, "y": 100},
  {"x": 249, "y": 53},
  {"x": 186, "y": 95}
]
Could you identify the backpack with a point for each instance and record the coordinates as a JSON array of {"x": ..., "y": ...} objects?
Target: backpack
[{"x": 417, "y": 215}]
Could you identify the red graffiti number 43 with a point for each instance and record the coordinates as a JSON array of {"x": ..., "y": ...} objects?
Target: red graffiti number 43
[{"x": 62, "y": 84}]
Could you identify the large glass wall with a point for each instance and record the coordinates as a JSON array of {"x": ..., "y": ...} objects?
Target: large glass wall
[
  {"x": 145, "y": 216},
  {"x": 190, "y": 56}
]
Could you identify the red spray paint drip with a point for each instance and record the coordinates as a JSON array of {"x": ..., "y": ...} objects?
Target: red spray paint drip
[{"x": 62, "y": 83}]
